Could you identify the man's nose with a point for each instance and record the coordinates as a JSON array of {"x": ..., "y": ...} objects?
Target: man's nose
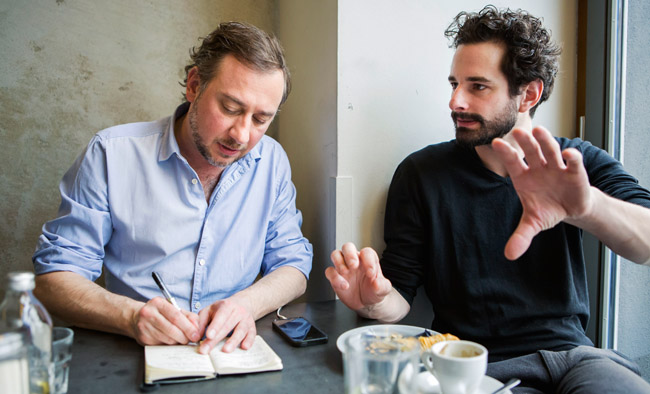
[
  {"x": 241, "y": 130},
  {"x": 458, "y": 100}
]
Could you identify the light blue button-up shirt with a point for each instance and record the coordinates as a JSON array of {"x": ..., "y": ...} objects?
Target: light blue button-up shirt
[{"x": 132, "y": 204}]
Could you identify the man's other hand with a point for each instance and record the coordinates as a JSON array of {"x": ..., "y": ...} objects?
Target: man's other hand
[{"x": 223, "y": 317}]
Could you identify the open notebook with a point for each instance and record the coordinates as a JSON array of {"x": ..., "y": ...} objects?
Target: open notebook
[{"x": 183, "y": 363}]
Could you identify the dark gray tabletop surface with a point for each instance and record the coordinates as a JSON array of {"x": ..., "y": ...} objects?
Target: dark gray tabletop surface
[{"x": 108, "y": 363}]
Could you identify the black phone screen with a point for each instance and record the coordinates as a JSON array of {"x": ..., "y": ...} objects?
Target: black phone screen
[{"x": 299, "y": 331}]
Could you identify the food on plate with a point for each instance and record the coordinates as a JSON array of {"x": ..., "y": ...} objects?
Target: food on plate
[
  {"x": 428, "y": 341},
  {"x": 391, "y": 343},
  {"x": 378, "y": 343}
]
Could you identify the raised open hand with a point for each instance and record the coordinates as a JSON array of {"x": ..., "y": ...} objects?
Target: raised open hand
[
  {"x": 552, "y": 185},
  {"x": 357, "y": 278}
]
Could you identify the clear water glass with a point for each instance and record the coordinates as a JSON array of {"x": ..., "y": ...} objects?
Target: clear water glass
[
  {"x": 61, "y": 355},
  {"x": 373, "y": 363}
]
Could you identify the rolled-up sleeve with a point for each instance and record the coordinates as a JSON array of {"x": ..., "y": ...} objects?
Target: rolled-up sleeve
[
  {"x": 75, "y": 240},
  {"x": 285, "y": 244}
]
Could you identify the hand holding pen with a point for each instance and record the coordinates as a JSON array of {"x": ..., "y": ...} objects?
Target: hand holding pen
[
  {"x": 162, "y": 321},
  {"x": 164, "y": 290}
]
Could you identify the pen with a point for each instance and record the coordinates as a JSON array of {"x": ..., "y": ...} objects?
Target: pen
[{"x": 164, "y": 290}]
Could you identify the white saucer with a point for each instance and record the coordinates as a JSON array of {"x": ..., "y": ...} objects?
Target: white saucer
[
  {"x": 381, "y": 329},
  {"x": 426, "y": 383}
]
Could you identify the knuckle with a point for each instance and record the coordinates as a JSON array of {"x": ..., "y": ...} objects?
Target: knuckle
[
  {"x": 146, "y": 312},
  {"x": 230, "y": 305},
  {"x": 217, "y": 305},
  {"x": 156, "y": 301}
]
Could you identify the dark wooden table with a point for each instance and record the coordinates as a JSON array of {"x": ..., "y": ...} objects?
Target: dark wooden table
[{"x": 107, "y": 363}]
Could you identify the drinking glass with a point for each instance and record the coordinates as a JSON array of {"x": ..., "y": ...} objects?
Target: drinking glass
[
  {"x": 61, "y": 355},
  {"x": 374, "y": 363}
]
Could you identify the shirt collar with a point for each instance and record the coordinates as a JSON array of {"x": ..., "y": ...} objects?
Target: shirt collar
[{"x": 169, "y": 145}]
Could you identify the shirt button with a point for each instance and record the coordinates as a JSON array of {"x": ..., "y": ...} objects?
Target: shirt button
[
  {"x": 201, "y": 262},
  {"x": 197, "y": 305},
  {"x": 194, "y": 181}
]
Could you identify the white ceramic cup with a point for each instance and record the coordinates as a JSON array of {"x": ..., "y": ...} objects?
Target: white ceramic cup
[{"x": 459, "y": 366}]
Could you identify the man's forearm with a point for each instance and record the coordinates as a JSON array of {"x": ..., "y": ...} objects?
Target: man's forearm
[
  {"x": 622, "y": 226},
  {"x": 274, "y": 290},
  {"x": 83, "y": 303},
  {"x": 391, "y": 309}
]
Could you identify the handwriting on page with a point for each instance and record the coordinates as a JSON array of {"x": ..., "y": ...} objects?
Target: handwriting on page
[
  {"x": 257, "y": 356},
  {"x": 180, "y": 358},
  {"x": 240, "y": 358}
]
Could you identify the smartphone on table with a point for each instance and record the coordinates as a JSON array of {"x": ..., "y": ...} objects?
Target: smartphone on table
[{"x": 298, "y": 331}]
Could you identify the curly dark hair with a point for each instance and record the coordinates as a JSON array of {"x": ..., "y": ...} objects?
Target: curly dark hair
[
  {"x": 248, "y": 44},
  {"x": 530, "y": 52}
]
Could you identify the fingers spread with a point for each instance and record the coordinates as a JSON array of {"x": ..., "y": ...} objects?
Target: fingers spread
[
  {"x": 550, "y": 148},
  {"x": 573, "y": 160},
  {"x": 515, "y": 166},
  {"x": 339, "y": 262},
  {"x": 530, "y": 147},
  {"x": 350, "y": 255},
  {"x": 337, "y": 281}
]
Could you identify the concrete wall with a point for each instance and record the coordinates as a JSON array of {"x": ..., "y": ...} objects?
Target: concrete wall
[
  {"x": 634, "y": 293},
  {"x": 70, "y": 68}
]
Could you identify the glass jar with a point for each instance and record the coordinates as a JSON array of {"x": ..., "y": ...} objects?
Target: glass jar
[
  {"x": 20, "y": 311},
  {"x": 14, "y": 370}
]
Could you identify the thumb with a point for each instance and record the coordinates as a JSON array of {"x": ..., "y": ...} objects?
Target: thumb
[
  {"x": 381, "y": 285},
  {"x": 520, "y": 240}
]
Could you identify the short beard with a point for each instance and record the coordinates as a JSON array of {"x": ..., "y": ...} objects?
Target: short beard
[
  {"x": 200, "y": 145},
  {"x": 489, "y": 130}
]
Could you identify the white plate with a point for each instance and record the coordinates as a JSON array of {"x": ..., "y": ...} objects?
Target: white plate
[
  {"x": 381, "y": 329},
  {"x": 426, "y": 383}
]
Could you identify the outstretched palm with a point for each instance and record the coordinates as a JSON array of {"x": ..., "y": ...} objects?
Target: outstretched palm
[{"x": 552, "y": 185}]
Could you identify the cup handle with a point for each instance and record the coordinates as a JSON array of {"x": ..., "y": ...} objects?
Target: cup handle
[{"x": 427, "y": 360}]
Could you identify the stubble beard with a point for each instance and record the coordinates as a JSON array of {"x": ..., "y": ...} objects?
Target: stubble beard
[
  {"x": 202, "y": 147},
  {"x": 488, "y": 130}
]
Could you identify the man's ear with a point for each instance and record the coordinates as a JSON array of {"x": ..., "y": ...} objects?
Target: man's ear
[
  {"x": 193, "y": 84},
  {"x": 531, "y": 94}
]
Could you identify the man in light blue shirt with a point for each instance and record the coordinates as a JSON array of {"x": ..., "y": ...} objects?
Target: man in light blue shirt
[{"x": 203, "y": 197}]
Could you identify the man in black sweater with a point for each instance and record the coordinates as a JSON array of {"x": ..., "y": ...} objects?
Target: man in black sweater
[{"x": 453, "y": 206}]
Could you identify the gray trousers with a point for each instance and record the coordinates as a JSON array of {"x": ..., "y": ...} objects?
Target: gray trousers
[{"x": 584, "y": 369}]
